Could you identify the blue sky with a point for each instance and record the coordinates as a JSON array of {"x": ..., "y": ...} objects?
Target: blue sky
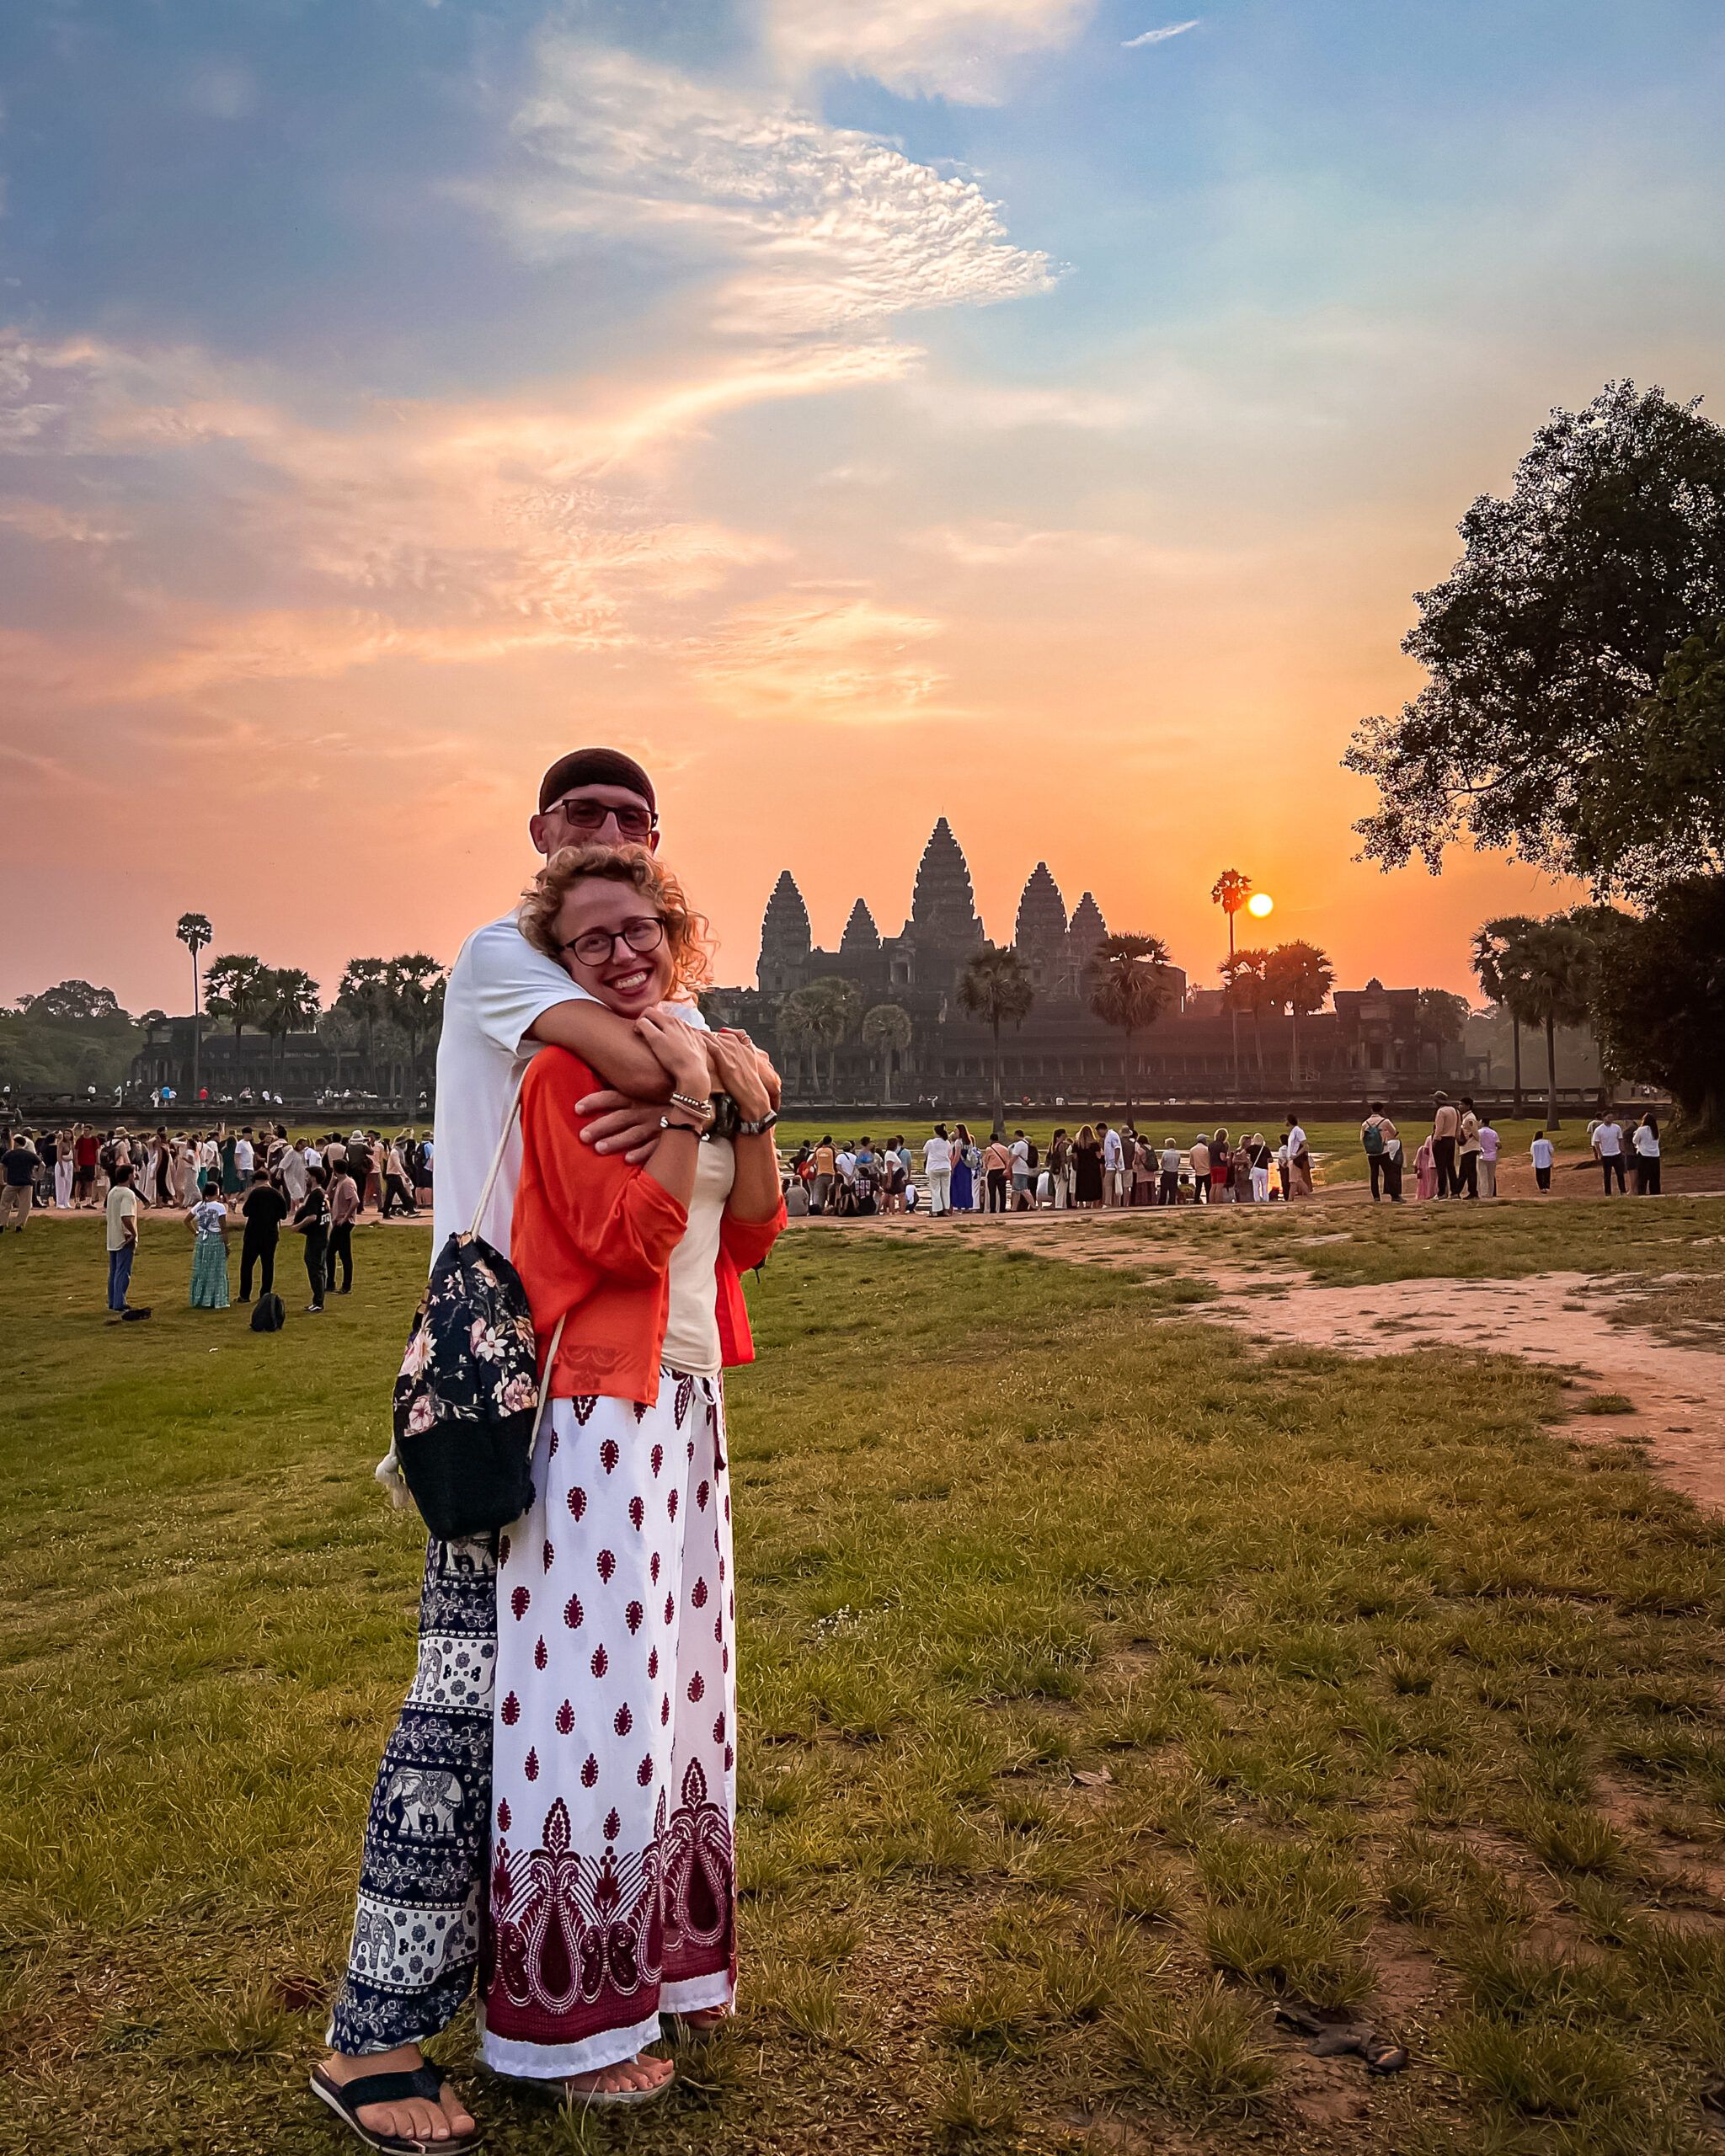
[{"x": 867, "y": 413}]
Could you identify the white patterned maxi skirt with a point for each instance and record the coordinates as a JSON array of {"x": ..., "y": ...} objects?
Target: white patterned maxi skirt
[{"x": 612, "y": 1896}]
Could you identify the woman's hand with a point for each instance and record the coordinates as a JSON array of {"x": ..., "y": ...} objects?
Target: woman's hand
[
  {"x": 680, "y": 1050},
  {"x": 737, "y": 1071}
]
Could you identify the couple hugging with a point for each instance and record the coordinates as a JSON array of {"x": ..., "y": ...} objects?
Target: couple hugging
[{"x": 553, "y": 1820}]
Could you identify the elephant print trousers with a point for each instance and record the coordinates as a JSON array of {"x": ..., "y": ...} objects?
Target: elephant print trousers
[
  {"x": 611, "y": 1895},
  {"x": 422, "y": 1870}
]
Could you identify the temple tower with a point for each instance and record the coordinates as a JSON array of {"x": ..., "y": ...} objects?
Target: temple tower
[
  {"x": 785, "y": 939},
  {"x": 1039, "y": 934},
  {"x": 943, "y": 917},
  {"x": 861, "y": 938},
  {"x": 1087, "y": 931}
]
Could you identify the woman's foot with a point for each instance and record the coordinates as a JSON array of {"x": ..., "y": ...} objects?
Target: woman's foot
[
  {"x": 705, "y": 2019},
  {"x": 414, "y": 2118},
  {"x": 643, "y": 2075}
]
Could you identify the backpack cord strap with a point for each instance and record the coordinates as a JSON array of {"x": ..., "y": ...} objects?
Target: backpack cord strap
[
  {"x": 509, "y": 1124},
  {"x": 545, "y": 1381}
]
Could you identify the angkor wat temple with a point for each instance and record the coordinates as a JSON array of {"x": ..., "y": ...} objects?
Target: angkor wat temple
[{"x": 1062, "y": 1053}]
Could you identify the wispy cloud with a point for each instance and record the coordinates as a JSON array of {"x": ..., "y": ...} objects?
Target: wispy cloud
[
  {"x": 807, "y": 229},
  {"x": 834, "y": 656},
  {"x": 1160, "y": 36},
  {"x": 966, "y": 50}
]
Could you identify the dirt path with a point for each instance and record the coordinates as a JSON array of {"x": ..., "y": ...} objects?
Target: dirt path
[{"x": 1560, "y": 1320}]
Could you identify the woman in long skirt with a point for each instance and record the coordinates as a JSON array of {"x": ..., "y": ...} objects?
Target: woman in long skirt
[
  {"x": 208, "y": 1222},
  {"x": 963, "y": 1200},
  {"x": 614, "y": 1764}
]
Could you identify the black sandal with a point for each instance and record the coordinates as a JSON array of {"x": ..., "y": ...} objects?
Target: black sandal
[{"x": 347, "y": 2098}]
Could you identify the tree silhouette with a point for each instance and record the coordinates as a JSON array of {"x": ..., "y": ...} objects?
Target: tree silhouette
[
  {"x": 1299, "y": 977},
  {"x": 194, "y": 932},
  {"x": 1129, "y": 988},
  {"x": 885, "y": 1028},
  {"x": 1246, "y": 986},
  {"x": 1497, "y": 976},
  {"x": 234, "y": 989},
  {"x": 996, "y": 988}
]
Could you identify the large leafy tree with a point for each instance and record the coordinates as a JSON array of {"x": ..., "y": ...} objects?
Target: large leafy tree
[
  {"x": 1128, "y": 987},
  {"x": 1660, "y": 1003},
  {"x": 73, "y": 1000},
  {"x": 1573, "y": 708},
  {"x": 996, "y": 987},
  {"x": 1298, "y": 976}
]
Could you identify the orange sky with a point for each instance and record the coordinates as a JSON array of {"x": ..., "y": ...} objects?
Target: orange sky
[{"x": 1045, "y": 426}]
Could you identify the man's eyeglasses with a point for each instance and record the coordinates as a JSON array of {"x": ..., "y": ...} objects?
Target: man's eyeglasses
[
  {"x": 595, "y": 945},
  {"x": 582, "y": 814}
]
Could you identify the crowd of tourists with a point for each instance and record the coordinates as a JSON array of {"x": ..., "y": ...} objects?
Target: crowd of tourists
[
  {"x": 256, "y": 1179},
  {"x": 1458, "y": 1157},
  {"x": 1099, "y": 1166}
]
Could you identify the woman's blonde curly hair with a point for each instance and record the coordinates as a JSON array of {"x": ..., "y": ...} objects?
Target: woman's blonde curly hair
[{"x": 685, "y": 931}]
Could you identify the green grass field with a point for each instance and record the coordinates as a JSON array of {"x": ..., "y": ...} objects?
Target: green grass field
[{"x": 1104, "y": 1682}]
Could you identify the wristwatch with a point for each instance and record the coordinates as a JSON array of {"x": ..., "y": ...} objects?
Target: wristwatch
[{"x": 758, "y": 1130}]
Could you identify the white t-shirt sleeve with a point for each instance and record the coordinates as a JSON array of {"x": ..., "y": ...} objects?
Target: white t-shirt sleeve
[{"x": 509, "y": 985}]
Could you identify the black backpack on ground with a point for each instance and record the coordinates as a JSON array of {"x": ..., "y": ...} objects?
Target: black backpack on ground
[{"x": 270, "y": 1314}]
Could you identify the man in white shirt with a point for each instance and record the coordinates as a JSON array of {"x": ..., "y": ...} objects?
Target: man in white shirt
[
  {"x": 294, "y": 1176},
  {"x": 1113, "y": 1161},
  {"x": 1299, "y": 1159},
  {"x": 1608, "y": 1144},
  {"x": 504, "y": 1001},
  {"x": 245, "y": 1158},
  {"x": 937, "y": 1165}
]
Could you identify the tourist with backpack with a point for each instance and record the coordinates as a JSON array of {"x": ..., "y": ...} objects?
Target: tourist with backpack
[{"x": 1383, "y": 1153}]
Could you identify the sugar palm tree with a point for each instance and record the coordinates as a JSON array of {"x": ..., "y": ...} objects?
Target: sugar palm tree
[
  {"x": 1554, "y": 973},
  {"x": 1300, "y": 976},
  {"x": 1245, "y": 986},
  {"x": 292, "y": 1007},
  {"x": 1231, "y": 891},
  {"x": 1496, "y": 961},
  {"x": 887, "y": 1030},
  {"x": 234, "y": 989},
  {"x": 364, "y": 991},
  {"x": 414, "y": 985},
  {"x": 832, "y": 1009},
  {"x": 1129, "y": 988},
  {"x": 996, "y": 988},
  {"x": 194, "y": 932}
]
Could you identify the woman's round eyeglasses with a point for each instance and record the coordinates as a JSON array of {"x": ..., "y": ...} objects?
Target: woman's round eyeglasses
[{"x": 595, "y": 945}]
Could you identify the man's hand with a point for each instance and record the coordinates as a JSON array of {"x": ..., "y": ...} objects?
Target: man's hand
[{"x": 622, "y": 1125}]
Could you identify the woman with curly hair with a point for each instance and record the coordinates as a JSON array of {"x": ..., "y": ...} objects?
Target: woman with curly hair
[{"x": 613, "y": 1894}]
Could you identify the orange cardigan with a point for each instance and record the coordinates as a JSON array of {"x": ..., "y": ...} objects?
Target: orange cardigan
[{"x": 592, "y": 1239}]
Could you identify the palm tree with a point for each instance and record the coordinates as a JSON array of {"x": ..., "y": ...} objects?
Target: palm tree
[
  {"x": 1129, "y": 988},
  {"x": 792, "y": 1029},
  {"x": 292, "y": 1007},
  {"x": 341, "y": 1033},
  {"x": 1554, "y": 974},
  {"x": 364, "y": 991},
  {"x": 1231, "y": 891},
  {"x": 234, "y": 989},
  {"x": 832, "y": 1008},
  {"x": 1299, "y": 977},
  {"x": 996, "y": 988},
  {"x": 887, "y": 1030},
  {"x": 194, "y": 932},
  {"x": 414, "y": 985},
  {"x": 1246, "y": 986},
  {"x": 1496, "y": 966}
]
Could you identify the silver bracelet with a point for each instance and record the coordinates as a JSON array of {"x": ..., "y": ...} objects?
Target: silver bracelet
[{"x": 703, "y": 1109}]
